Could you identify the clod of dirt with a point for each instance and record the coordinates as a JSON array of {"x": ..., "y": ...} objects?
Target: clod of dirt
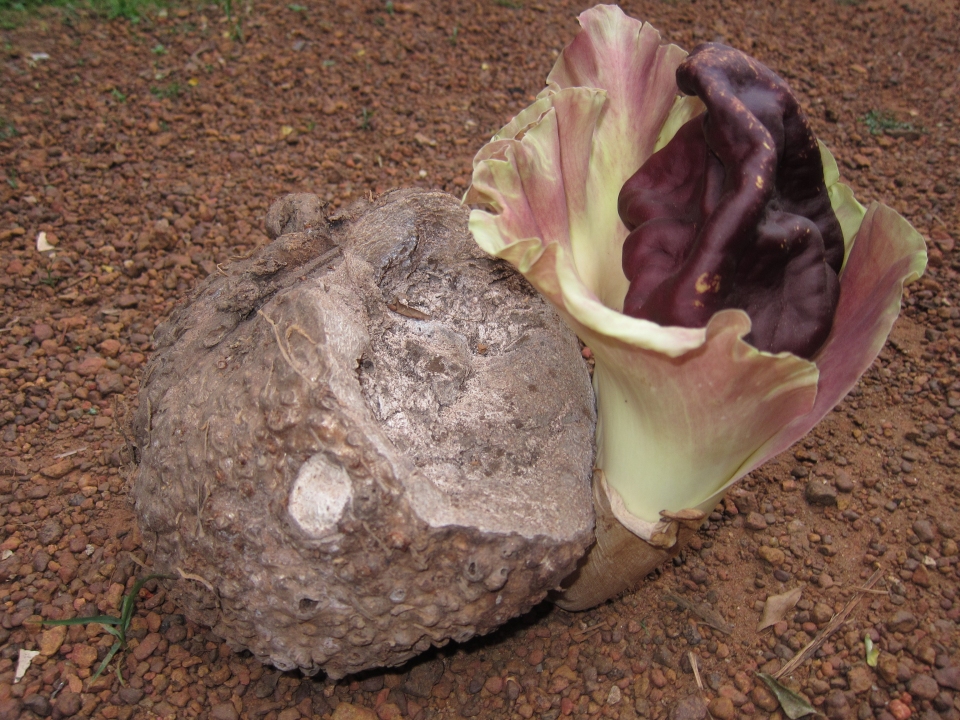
[{"x": 366, "y": 439}]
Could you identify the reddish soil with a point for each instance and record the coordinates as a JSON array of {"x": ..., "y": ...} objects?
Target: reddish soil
[{"x": 148, "y": 153}]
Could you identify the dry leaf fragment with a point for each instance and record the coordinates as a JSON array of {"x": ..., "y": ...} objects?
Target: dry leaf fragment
[
  {"x": 777, "y": 606},
  {"x": 23, "y": 664},
  {"x": 706, "y": 614},
  {"x": 794, "y": 704},
  {"x": 43, "y": 244}
]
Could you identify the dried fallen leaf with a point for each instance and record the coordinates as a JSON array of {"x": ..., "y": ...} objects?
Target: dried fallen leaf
[
  {"x": 44, "y": 245},
  {"x": 872, "y": 651},
  {"x": 777, "y": 606},
  {"x": 706, "y": 614},
  {"x": 23, "y": 664},
  {"x": 794, "y": 704}
]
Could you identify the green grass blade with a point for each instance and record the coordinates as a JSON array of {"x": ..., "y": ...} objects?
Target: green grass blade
[
  {"x": 106, "y": 661},
  {"x": 126, "y": 607}
]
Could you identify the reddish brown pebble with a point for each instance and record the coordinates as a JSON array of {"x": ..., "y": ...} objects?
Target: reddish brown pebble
[
  {"x": 494, "y": 684},
  {"x": 90, "y": 366},
  {"x": 224, "y": 711},
  {"x": 347, "y": 711},
  {"x": 763, "y": 698},
  {"x": 146, "y": 647},
  {"x": 899, "y": 710},
  {"x": 722, "y": 708},
  {"x": 387, "y": 711}
]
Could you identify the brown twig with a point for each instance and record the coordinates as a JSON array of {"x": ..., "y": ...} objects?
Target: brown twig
[
  {"x": 582, "y": 635},
  {"x": 835, "y": 623}
]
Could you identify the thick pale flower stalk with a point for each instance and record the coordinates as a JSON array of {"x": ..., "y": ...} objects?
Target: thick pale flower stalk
[{"x": 682, "y": 412}]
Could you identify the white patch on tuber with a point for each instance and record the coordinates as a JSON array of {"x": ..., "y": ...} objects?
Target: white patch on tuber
[{"x": 319, "y": 495}]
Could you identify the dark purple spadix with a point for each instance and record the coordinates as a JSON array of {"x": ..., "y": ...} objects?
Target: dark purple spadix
[{"x": 734, "y": 212}]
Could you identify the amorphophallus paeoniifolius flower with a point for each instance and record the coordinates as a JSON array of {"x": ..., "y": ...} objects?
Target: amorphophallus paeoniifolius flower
[
  {"x": 683, "y": 411},
  {"x": 734, "y": 212}
]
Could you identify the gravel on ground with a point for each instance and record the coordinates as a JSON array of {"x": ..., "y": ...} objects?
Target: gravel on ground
[{"x": 146, "y": 154}]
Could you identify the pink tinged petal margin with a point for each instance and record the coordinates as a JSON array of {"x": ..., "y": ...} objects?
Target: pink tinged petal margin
[
  {"x": 887, "y": 254},
  {"x": 627, "y": 60}
]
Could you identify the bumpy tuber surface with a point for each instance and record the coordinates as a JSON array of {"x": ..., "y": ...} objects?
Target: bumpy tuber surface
[
  {"x": 734, "y": 212},
  {"x": 366, "y": 439}
]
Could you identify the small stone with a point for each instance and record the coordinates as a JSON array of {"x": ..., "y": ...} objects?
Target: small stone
[
  {"x": 948, "y": 677},
  {"x": 475, "y": 685},
  {"x": 109, "y": 347},
  {"x": 130, "y": 695},
  {"x": 887, "y": 667},
  {"x": 903, "y": 621},
  {"x": 819, "y": 493},
  {"x": 348, "y": 711},
  {"x": 42, "y": 331},
  {"x": 90, "y": 366},
  {"x": 494, "y": 685},
  {"x": 387, "y": 711},
  {"x": 49, "y": 532},
  {"x": 763, "y": 698},
  {"x": 83, "y": 656},
  {"x": 267, "y": 684},
  {"x": 10, "y": 708},
  {"x": 109, "y": 383},
  {"x": 422, "y": 678},
  {"x": 923, "y": 687},
  {"x": 923, "y": 529},
  {"x": 58, "y": 469},
  {"x": 692, "y": 707},
  {"x": 899, "y": 710},
  {"x": 774, "y": 556},
  {"x": 721, "y": 708},
  {"x": 843, "y": 481},
  {"x": 374, "y": 683},
  {"x": 755, "y": 521},
  {"x": 68, "y": 703},
  {"x": 51, "y": 640},
  {"x": 921, "y": 577},
  {"x": 146, "y": 647},
  {"x": 821, "y": 613},
  {"x": 224, "y": 711},
  {"x": 614, "y": 696},
  {"x": 860, "y": 679},
  {"x": 294, "y": 714},
  {"x": 838, "y": 708},
  {"x": 38, "y": 704}
]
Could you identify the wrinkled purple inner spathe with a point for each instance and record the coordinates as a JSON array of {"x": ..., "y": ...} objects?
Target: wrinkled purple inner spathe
[{"x": 734, "y": 213}]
